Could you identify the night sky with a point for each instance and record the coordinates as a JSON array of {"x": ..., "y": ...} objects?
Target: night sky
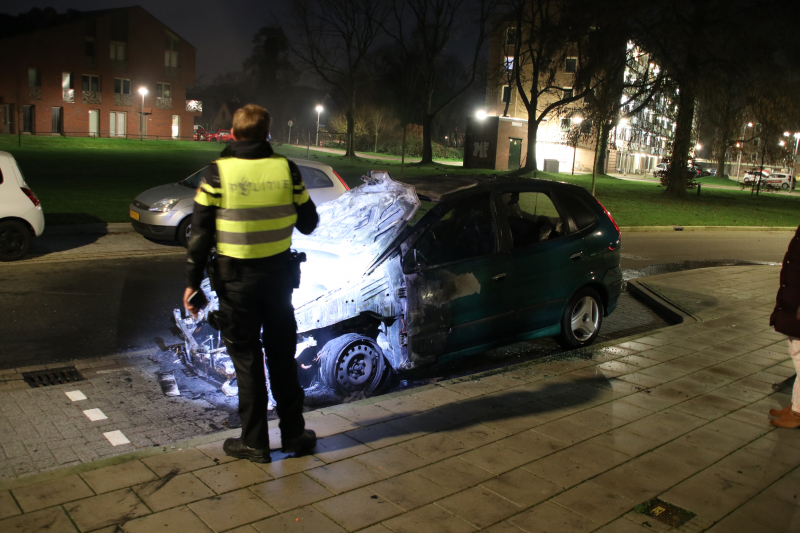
[{"x": 220, "y": 30}]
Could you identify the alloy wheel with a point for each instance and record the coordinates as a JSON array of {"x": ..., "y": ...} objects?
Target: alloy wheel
[{"x": 585, "y": 318}]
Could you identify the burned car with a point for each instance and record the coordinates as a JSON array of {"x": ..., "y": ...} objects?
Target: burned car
[{"x": 402, "y": 274}]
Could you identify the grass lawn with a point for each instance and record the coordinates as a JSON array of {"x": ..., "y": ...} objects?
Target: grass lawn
[{"x": 83, "y": 180}]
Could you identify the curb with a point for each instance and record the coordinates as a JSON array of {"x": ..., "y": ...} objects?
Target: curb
[
  {"x": 642, "y": 229},
  {"x": 90, "y": 229},
  {"x": 660, "y": 305}
]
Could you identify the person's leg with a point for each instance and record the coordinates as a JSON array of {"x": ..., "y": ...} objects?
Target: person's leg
[
  {"x": 280, "y": 343},
  {"x": 794, "y": 351},
  {"x": 241, "y": 338}
]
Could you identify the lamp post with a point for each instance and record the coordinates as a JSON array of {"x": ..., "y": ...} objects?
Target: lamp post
[
  {"x": 576, "y": 120},
  {"x": 142, "y": 91},
  {"x": 319, "y": 110}
]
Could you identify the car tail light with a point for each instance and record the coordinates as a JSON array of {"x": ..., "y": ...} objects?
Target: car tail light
[
  {"x": 609, "y": 216},
  {"x": 340, "y": 179},
  {"x": 32, "y": 195}
]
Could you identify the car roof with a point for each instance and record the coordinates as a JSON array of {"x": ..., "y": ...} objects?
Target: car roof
[
  {"x": 307, "y": 163},
  {"x": 438, "y": 188}
]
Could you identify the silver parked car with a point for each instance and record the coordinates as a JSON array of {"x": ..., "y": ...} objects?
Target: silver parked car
[{"x": 165, "y": 212}]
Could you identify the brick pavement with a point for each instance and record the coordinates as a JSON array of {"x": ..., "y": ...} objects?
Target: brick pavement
[{"x": 569, "y": 444}]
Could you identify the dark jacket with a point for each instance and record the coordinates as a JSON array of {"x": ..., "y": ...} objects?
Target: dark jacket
[
  {"x": 204, "y": 218},
  {"x": 784, "y": 317}
]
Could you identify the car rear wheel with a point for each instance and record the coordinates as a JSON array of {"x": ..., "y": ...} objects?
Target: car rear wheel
[
  {"x": 184, "y": 232},
  {"x": 582, "y": 319},
  {"x": 785, "y": 186},
  {"x": 15, "y": 240},
  {"x": 354, "y": 363}
]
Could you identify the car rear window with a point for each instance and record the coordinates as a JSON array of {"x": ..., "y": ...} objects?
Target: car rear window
[
  {"x": 314, "y": 178},
  {"x": 581, "y": 213}
]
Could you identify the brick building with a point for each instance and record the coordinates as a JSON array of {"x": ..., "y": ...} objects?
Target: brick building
[{"x": 80, "y": 74}]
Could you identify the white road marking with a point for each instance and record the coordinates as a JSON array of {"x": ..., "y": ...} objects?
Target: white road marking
[
  {"x": 116, "y": 438},
  {"x": 75, "y": 395},
  {"x": 95, "y": 414}
]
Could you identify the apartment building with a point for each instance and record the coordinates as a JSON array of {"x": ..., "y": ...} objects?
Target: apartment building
[
  {"x": 110, "y": 73},
  {"x": 497, "y": 137}
]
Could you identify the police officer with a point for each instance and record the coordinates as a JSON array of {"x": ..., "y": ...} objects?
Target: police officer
[{"x": 247, "y": 205}]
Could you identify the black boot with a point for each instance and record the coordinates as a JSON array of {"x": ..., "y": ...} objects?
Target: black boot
[
  {"x": 237, "y": 448},
  {"x": 301, "y": 444}
]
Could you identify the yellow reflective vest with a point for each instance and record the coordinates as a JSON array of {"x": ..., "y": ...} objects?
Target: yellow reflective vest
[{"x": 256, "y": 206}]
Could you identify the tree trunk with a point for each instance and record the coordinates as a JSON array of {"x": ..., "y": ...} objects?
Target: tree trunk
[
  {"x": 599, "y": 154},
  {"x": 351, "y": 126},
  {"x": 427, "y": 147},
  {"x": 533, "y": 130},
  {"x": 681, "y": 144},
  {"x": 721, "y": 164}
]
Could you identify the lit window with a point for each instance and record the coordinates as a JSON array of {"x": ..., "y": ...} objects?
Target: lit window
[{"x": 509, "y": 63}]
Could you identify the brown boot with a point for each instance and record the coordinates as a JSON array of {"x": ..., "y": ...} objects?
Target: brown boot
[
  {"x": 790, "y": 420},
  {"x": 780, "y": 412}
]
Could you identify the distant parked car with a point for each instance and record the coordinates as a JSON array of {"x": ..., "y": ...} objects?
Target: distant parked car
[
  {"x": 702, "y": 172},
  {"x": 752, "y": 175},
  {"x": 223, "y": 136},
  {"x": 660, "y": 167},
  {"x": 202, "y": 134},
  {"x": 21, "y": 216},
  {"x": 779, "y": 180},
  {"x": 165, "y": 212}
]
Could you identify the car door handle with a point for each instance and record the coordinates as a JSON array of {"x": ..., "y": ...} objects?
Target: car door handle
[
  {"x": 499, "y": 277},
  {"x": 576, "y": 257}
]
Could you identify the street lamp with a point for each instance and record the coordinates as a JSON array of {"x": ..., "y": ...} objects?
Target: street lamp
[
  {"x": 480, "y": 114},
  {"x": 319, "y": 110},
  {"x": 142, "y": 91}
]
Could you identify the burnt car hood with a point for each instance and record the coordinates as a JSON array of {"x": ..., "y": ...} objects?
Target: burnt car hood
[{"x": 353, "y": 231}]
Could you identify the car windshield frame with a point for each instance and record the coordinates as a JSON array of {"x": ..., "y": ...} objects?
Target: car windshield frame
[{"x": 190, "y": 181}]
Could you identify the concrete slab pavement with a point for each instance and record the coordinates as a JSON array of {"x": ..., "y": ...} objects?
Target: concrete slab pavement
[{"x": 677, "y": 416}]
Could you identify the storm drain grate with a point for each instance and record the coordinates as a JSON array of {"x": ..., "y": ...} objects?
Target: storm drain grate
[
  {"x": 664, "y": 512},
  {"x": 52, "y": 376}
]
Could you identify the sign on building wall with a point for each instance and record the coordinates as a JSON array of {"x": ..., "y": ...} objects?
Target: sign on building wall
[{"x": 480, "y": 149}]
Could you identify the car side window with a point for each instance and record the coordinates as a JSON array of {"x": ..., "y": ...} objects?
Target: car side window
[
  {"x": 314, "y": 178},
  {"x": 466, "y": 231},
  {"x": 581, "y": 214},
  {"x": 532, "y": 218}
]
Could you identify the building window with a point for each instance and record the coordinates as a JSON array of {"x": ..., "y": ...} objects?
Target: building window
[
  {"x": 117, "y": 124},
  {"x": 172, "y": 47},
  {"x": 753, "y": 157},
  {"x": 566, "y": 124},
  {"x": 755, "y": 143},
  {"x": 91, "y": 83},
  {"x": 506, "y": 93},
  {"x": 67, "y": 88},
  {"x": 758, "y": 128},
  {"x": 567, "y": 93},
  {"x": 119, "y": 51},
  {"x": 164, "y": 90},
  {"x": 34, "y": 77},
  {"x": 28, "y": 118},
  {"x": 511, "y": 36},
  {"x": 509, "y": 64},
  {"x": 90, "y": 47},
  {"x": 122, "y": 86},
  {"x": 571, "y": 64}
]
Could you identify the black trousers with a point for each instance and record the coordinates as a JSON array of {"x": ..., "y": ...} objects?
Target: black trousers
[{"x": 254, "y": 299}]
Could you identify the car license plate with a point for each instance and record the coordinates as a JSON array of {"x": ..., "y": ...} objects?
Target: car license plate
[{"x": 134, "y": 215}]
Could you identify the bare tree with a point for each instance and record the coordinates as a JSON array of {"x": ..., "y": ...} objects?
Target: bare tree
[
  {"x": 334, "y": 39},
  {"x": 544, "y": 34},
  {"x": 423, "y": 29}
]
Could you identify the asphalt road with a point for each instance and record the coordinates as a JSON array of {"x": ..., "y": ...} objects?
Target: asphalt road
[{"x": 62, "y": 306}]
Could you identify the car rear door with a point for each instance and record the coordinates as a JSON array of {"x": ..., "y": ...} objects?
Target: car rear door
[{"x": 460, "y": 281}]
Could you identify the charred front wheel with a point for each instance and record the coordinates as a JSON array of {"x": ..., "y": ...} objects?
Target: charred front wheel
[
  {"x": 582, "y": 318},
  {"x": 354, "y": 363},
  {"x": 15, "y": 239}
]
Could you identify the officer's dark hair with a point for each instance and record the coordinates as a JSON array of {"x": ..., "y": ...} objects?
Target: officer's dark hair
[{"x": 251, "y": 122}]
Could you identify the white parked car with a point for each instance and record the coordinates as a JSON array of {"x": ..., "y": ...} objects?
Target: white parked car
[
  {"x": 21, "y": 216},
  {"x": 165, "y": 212},
  {"x": 752, "y": 175},
  {"x": 779, "y": 180}
]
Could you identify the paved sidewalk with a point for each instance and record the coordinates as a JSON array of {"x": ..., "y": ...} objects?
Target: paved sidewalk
[{"x": 570, "y": 444}]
